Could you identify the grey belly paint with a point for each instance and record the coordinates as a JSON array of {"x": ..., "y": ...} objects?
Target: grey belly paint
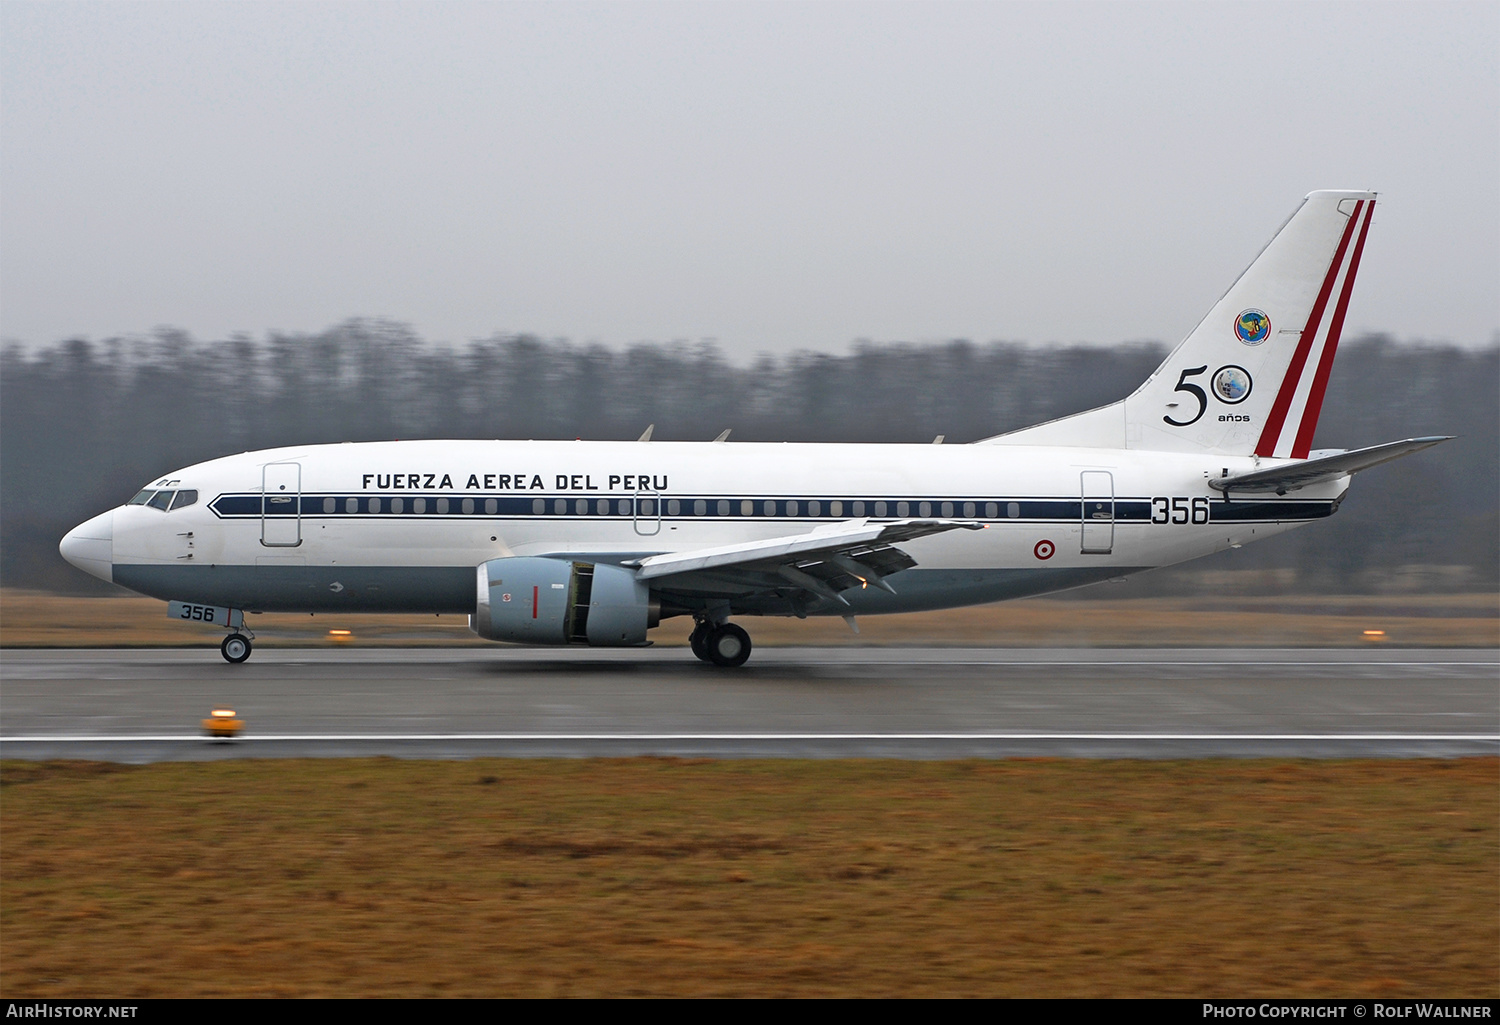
[
  {"x": 308, "y": 588},
  {"x": 450, "y": 589}
]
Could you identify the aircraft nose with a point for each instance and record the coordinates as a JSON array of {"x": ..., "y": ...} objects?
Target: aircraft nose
[{"x": 91, "y": 546}]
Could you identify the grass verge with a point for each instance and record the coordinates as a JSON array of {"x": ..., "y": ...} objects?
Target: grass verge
[{"x": 656, "y": 877}]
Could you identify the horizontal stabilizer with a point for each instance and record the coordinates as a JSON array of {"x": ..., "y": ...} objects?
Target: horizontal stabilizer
[
  {"x": 1291, "y": 476},
  {"x": 828, "y": 540}
]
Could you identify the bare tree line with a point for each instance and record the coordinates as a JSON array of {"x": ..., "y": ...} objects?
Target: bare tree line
[{"x": 84, "y": 424}]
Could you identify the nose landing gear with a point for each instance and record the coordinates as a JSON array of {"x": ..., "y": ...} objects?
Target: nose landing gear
[
  {"x": 722, "y": 644},
  {"x": 236, "y": 647}
]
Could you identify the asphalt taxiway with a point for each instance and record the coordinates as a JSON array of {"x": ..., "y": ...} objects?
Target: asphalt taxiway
[{"x": 146, "y": 705}]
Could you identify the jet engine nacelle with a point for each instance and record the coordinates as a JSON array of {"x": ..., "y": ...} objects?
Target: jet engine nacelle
[{"x": 558, "y": 601}]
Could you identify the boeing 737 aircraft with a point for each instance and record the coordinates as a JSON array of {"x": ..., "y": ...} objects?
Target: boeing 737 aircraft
[{"x": 552, "y": 542}]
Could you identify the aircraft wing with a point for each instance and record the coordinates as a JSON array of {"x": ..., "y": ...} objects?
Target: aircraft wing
[
  {"x": 1291, "y": 476},
  {"x": 823, "y": 561}
]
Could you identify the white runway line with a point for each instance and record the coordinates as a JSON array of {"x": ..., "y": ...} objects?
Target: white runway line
[{"x": 1223, "y": 666}]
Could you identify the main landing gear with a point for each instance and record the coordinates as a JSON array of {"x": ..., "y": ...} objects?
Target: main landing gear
[
  {"x": 235, "y": 649},
  {"x": 722, "y": 644}
]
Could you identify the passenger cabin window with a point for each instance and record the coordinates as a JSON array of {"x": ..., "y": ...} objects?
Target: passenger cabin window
[
  {"x": 161, "y": 500},
  {"x": 184, "y": 499},
  {"x": 142, "y": 498}
]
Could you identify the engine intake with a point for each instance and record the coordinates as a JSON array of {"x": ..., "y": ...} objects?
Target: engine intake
[{"x": 538, "y": 600}]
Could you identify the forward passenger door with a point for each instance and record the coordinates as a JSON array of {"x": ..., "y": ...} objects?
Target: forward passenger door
[{"x": 281, "y": 505}]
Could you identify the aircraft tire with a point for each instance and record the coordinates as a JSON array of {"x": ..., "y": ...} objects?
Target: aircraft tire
[
  {"x": 728, "y": 646},
  {"x": 235, "y": 649},
  {"x": 698, "y": 640}
]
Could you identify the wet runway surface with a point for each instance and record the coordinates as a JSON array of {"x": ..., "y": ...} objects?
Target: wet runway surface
[{"x": 145, "y": 705}]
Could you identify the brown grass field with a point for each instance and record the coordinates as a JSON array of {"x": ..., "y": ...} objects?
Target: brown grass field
[
  {"x": 751, "y": 878},
  {"x": 36, "y": 620}
]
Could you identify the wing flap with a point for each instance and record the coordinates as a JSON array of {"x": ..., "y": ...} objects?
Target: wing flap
[{"x": 1300, "y": 474}]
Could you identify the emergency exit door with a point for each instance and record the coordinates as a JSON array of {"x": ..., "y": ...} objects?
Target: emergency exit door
[{"x": 647, "y": 513}]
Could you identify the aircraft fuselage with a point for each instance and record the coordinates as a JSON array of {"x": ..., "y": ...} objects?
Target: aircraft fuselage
[{"x": 401, "y": 526}]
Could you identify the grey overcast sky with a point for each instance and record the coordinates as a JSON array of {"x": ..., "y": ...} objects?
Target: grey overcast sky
[{"x": 775, "y": 176}]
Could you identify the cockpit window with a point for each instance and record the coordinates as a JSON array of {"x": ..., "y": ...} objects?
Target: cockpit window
[
  {"x": 185, "y": 498},
  {"x": 161, "y": 500},
  {"x": 143, "y": 497}
]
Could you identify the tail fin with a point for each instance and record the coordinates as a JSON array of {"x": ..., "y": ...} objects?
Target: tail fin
[{"x": 1250, "y": 377}]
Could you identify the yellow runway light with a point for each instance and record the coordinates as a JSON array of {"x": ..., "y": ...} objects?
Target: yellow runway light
[{"x": 221, "y": 723}]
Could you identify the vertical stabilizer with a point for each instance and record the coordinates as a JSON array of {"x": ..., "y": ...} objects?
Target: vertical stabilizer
[{"x": 1250, "y": 378}]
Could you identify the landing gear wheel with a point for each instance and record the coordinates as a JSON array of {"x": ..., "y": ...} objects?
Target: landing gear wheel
[
  {"x": 235, "y": 649},
  {"x": 728, "y": 645},
  {"x": 698, "y": 640}
]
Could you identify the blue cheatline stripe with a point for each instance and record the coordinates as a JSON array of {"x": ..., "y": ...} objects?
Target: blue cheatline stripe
[{"x": 551, "y": 506}]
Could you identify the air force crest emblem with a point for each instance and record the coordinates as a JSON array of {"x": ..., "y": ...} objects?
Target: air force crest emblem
[{"x": 1252, "y": 327}]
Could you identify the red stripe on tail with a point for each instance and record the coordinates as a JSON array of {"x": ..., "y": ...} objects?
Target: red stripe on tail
[
  {"x": 1309, "y": 423},
  {"x": 1277, "y": 417}
]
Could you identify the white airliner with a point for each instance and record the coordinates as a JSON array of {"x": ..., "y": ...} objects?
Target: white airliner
[{"x": 554, "y": 542}]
